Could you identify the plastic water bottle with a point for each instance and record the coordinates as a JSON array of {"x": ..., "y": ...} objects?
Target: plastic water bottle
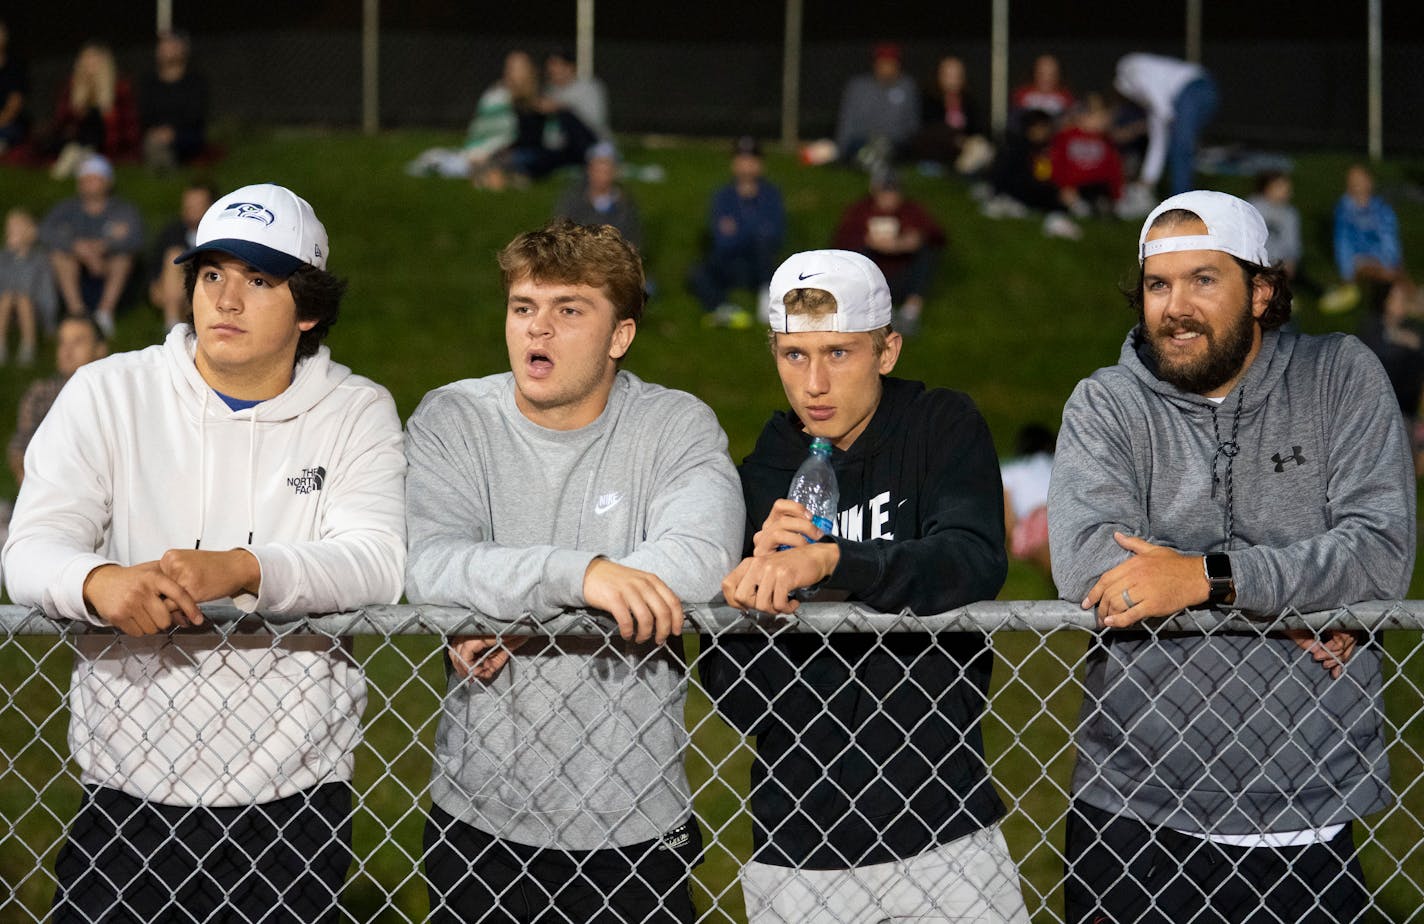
[{"x": 814, "y": 487}]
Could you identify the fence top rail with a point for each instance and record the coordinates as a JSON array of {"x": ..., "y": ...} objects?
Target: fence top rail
[{"x": 812, "y": 618}]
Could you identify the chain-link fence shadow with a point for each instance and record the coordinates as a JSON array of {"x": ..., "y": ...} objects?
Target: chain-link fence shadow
[{"x": 1033, "y": 710}]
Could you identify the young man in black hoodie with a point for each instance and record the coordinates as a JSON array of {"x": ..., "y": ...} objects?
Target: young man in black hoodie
[{"x": 870, "y": 794}]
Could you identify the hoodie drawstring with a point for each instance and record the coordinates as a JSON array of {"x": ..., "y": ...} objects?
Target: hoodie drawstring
[
  {"x": 202, "y": 469},
  {"x": 203, "y": 473},
  {"x": 251, "y": 477},
  {"x": 1229, "y": 450}
]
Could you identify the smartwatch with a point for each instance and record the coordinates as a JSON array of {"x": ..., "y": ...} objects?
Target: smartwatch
[{"x": 1218, "y": 578}]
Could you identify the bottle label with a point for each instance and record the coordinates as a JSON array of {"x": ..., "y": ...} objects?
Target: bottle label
[{"x": 824, "y": 524}]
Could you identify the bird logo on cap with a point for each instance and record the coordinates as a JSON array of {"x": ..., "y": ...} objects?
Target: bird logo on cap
[{"x": 250, "y": 210}]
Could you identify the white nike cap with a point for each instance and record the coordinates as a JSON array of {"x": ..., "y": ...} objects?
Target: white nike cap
[
  {"x": 266, "y": 226},
  {"x": 861, "y": 293},
  {"x": 1232, "y": 225}
]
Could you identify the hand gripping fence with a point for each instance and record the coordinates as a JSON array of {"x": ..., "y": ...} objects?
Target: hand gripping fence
[{"x": 1041, "y": 653}]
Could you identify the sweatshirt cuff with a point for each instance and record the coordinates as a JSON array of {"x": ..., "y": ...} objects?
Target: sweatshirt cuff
[
  {"x": 860, "y": 566},
  {"x": 69, "y": 589},
  {"x": 1251, "y": 587},
  {"x": 269, "y": 583},
  {"x": 564, "y": 570}
]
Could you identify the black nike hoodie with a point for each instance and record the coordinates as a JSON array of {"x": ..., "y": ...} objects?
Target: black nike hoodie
[{"x": 869, "y": 748}]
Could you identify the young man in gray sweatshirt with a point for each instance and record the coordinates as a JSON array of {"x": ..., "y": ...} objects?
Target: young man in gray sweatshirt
[
  {"x": 1226, "y": 462},
  {"x": 558, "y": 782}
]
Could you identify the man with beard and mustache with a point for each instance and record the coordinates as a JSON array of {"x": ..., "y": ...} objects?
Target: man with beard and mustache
[{"x": 1226, "y": 462}]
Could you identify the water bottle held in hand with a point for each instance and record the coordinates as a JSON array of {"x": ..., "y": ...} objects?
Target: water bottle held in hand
[{"x": 814, "y": 487}]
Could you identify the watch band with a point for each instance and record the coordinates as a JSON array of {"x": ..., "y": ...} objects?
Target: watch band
[{"x": 1221, "y": 585}]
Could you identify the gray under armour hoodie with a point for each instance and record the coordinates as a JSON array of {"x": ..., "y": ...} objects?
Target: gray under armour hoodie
[
  {"x": 575, "y": 744},
  {"x": 1303, "y": 475}
]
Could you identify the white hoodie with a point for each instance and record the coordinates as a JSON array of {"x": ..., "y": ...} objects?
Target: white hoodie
[{"x": 139, "y": 455}]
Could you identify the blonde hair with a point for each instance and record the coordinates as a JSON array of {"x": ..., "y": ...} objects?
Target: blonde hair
[
  {"x": 817, "y": 303},
  {"x": 93, "y": 85}
]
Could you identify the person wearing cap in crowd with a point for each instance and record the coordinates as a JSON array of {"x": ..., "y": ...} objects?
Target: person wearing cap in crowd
[
  {"x": 901, "y": 237},
  {"x": 599, "y": 199},
  {"x": 1226, "y": 462},
  {"x": 870, "y": 795},
  {"x": 94, "y": 239},
  {"x": 746, "y": 224},
  {"x": 880, "y": 111},
  {"x": 236, "y": 463},
  {"x": 559, "y": 791}
]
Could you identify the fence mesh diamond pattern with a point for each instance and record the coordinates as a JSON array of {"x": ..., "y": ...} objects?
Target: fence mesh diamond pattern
[{"x": 1040, "y": 653}]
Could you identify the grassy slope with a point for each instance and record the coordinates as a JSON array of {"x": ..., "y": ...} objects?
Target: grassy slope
[{"x": 1016, "y": 320}]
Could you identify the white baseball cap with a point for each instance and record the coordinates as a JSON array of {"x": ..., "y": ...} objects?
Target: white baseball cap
[
  {"x": 861, "y": 293},
  {"x": 95, "y": 165},
  {"x": 1232, "y": 225},
  {"x": 266, "y": 226}
]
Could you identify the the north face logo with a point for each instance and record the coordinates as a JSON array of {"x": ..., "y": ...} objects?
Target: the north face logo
[
  {"x": 1294, "y": 456},
  {"x": 311, "y": 479}
]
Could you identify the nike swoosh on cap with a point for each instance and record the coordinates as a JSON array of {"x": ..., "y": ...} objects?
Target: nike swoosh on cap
[{"x": 802, "y": 277}]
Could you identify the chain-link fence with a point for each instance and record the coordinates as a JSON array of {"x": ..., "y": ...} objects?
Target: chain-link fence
[{"x": 1031, "y": 713}]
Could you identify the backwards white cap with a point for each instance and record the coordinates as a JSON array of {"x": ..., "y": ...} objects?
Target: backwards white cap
[
  {"x": 1232, "y": 225},
  {"x": 266, "y": 226},
  {"x": 862, "y": 296}
]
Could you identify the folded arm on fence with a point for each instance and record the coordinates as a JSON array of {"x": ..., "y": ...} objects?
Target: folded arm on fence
[{"x": 815, "y": 618}]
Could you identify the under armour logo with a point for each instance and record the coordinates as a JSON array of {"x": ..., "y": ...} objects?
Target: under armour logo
[{"x": 1295, "y": 457}]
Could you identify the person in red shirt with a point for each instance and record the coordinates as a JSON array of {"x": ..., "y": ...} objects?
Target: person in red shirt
[
  {"x": 1086, "y": 166},
  {"x": 1047, "y": 92},
  {"x": 901, "y": 237}
]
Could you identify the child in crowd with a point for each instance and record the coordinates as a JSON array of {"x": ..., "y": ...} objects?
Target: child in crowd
[
  {"x": 1086, "y": 166},
  {"x": 1273, "y": 200},
  {"x": 27, "y": 290}
]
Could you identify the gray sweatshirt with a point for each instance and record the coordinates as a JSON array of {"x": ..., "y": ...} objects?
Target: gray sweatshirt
[
  {"x": 576, "y": 744},
  {"x": 1237, "y": 733}
]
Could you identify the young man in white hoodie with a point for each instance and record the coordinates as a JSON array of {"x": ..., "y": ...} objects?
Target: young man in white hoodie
[{"x": 234, "y": 461}]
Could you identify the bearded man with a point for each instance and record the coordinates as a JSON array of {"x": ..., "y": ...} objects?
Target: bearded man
[{"x": 1226, "y": 462}]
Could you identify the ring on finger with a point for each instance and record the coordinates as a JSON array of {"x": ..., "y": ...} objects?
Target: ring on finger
[{"x": 1127, "y": 599}]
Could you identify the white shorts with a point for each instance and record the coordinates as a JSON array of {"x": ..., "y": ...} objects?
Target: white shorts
[{"x": 971, "y": 879}]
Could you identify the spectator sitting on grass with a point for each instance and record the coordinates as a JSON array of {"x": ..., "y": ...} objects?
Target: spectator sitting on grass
[
  {"x": 78, "y": 342},
  {"x": 1273, "y": 201},
  {"x": 26, "y": 286},
  {"x": 597, "y": 198},
  {"x": 747, "y": 221},
  {"x": 95, "y": 113},
  {"x": 952, "y": 129},
  {"x": 901, "y": 237},
  {"x": 1086, "y": 167},
  {"x": 493, "y": 128},
  {"x": 173, "y": 106},
  {"x": 1046, "y": 92},
  {"x": 585, "y": 97},
  {"x": 165, "y": 281},
  {"x": 14, "y": 89},
  {"x": 880, "y": 112},
  {"x": 93, "y": 241},
  {"x": 1368, "y": 254},
  {"x": 1022, "y": 178}
]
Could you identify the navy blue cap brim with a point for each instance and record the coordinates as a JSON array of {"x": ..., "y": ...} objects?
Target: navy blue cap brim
[{"x": 258, "y": 256}]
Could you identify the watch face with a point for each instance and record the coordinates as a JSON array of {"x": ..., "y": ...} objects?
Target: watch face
[{"x": 1218, "y": 566}]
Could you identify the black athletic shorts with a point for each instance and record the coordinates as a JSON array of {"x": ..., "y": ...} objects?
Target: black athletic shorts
[
  {"x": 128, "y": 860},
  {"x": 476, "y": 877},
  {"x": 1118, "y": 870}
]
